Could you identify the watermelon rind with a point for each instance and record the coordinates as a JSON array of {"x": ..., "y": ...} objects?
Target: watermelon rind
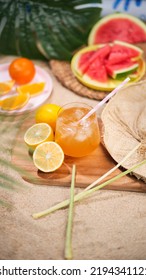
[
  {"x": 105, "y": 19},
  {"x": 121, "y": 73}
]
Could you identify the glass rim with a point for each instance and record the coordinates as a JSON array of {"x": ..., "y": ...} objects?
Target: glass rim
[{"x": 74, "y": 102}]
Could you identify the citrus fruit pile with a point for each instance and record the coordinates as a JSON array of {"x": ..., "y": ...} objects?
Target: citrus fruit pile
[
  {"x": 22, "y": 71},
  {"x": 47, "y": 155}
]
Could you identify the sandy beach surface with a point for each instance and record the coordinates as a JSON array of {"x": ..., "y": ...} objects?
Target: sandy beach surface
[{"x": 108, "y": 225}]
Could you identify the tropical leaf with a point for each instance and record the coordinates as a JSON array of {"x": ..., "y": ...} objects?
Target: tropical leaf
[
  {"x": 8, "y": 180},
  {"x": 5, "y": 204},
  {"x": 46, "y": 29}
]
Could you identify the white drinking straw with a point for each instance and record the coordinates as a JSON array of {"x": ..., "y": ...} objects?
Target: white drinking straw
[{"x": 105, "y": 99}]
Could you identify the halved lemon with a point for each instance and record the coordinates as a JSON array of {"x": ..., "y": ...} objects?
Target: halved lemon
[
  {"x": 48, "y": 156},
  {"x": 37, "y": 134},
  {"x": 32, "y": 89},
  {"x": 15, "y": 102},
  {"x": 5, "y": 87}
]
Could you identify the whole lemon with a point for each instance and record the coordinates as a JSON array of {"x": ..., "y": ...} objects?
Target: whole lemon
[{"x": 47, "y": 113}]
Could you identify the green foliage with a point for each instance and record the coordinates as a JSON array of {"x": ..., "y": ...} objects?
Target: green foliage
[
  {"x": 8, "y": 181},
  {"x": 46, "y": 29}
]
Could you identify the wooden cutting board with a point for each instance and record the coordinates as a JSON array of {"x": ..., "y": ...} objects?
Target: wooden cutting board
[{"x": 89, "y": 168}]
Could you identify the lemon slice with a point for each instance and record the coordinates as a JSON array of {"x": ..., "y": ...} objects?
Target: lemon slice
[
  {"x": 32, "y": 89},
  {"x": 37, "y": 134},
  {"x": 48, "y": 156},
  {"x": 5, "y": 87},
  {"x": 15, "y": 102}
]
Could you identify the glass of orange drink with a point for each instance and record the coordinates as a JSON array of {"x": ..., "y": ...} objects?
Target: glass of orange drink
[{"x": 76, "y": 138}]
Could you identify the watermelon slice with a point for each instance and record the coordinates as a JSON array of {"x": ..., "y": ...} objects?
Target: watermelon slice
[
  {"x": 122, "y": 51},
  {"x": 120, "y": 70},
  {"x": 107, "y": 64},
  {"x": 88, "y": 58},
  {"x": 97, "y": 71},
  {"x": 119, "y": 26}
]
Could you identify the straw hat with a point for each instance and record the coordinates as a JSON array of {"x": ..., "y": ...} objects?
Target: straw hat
[{"x": 124, "y": 121}]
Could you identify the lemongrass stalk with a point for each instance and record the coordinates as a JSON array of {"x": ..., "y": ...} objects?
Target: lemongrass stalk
[
  {"x": 112, "y": 169},
  {"x": 83, "y": 194},
  {"x": 68, "y": 241}
]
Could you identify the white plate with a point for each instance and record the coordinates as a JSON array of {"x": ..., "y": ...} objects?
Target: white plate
[{"x": 34, "y": 102}]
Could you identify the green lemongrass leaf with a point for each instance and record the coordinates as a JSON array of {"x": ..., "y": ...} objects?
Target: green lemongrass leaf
[
  {"x": 87, "y": 193},
  {"x": 112, "y": 169},
  {"x": 68, "y": 241}
]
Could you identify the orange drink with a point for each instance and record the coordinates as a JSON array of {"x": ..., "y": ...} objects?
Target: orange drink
[{"x": 76, "y": 138}]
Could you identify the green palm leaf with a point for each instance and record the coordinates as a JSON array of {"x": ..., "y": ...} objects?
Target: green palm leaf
[{"x": 45, "y": 29}]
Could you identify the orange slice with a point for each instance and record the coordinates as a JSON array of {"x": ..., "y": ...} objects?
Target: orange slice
[
  {"x": 32, "y": 89},
  {"x": 14, "y": 102},
  {"x": 5, "y": 87},
  {"x": 48, "y": 156}
]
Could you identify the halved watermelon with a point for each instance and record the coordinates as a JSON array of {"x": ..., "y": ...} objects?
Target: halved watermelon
[
  {"x": 119, "y": 26},
  {"x": 100, "y": 71}
]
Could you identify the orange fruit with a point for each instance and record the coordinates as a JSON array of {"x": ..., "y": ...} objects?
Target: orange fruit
[
  {"x": 32, "y": 89},
  {"x": 22, "y": 70},
  {"x": 37, "y": 134},
  {"x": 47, "y": 113},
  {"x": 14, "y": 102},
  {"x": 48, "y": 156},
  {"x": 5, "y": 87}
]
